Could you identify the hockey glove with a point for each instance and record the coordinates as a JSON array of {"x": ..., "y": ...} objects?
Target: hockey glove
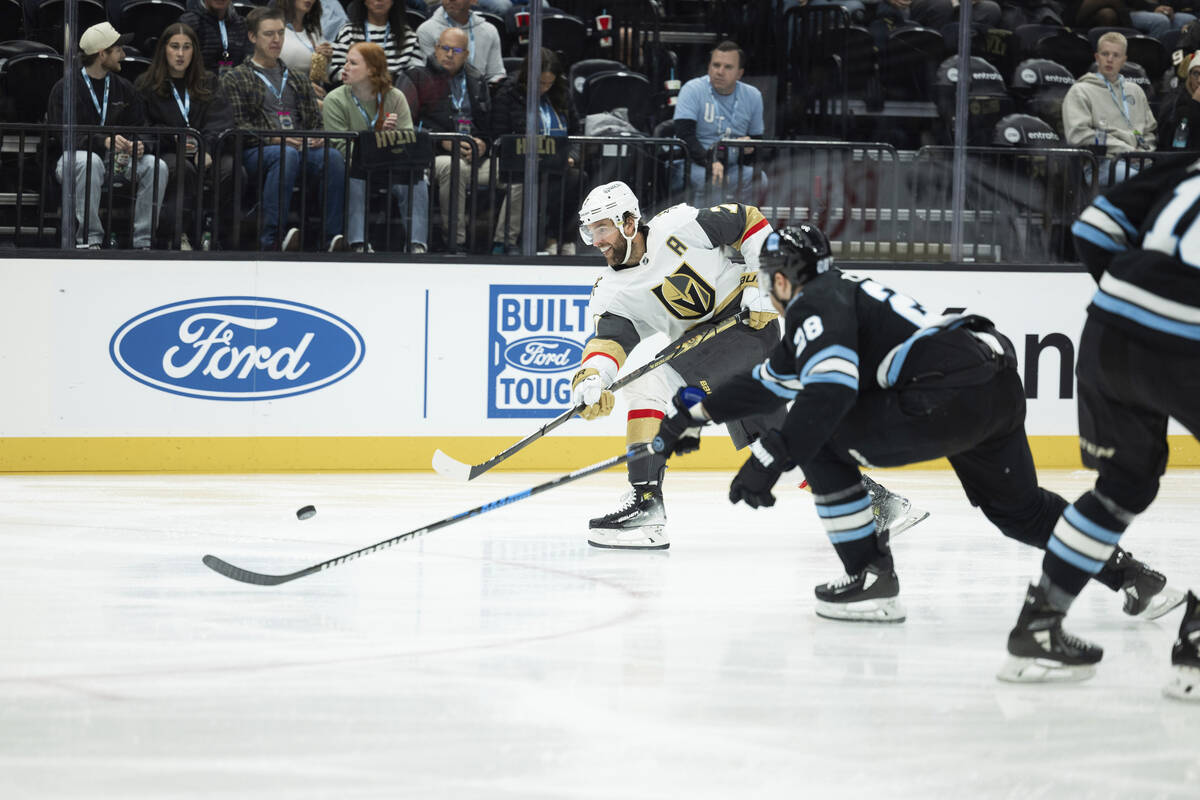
[
  {"x": 680, "y": 432},
  {"x": 587, "y": 390},
  {"x": 754, "y": 481}
]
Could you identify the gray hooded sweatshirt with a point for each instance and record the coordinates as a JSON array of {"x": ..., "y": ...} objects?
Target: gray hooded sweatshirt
[{"x": 1093, "y": 103}]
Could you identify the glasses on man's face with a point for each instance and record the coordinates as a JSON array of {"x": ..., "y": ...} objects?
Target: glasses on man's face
[{"x": 445, "y": 48}]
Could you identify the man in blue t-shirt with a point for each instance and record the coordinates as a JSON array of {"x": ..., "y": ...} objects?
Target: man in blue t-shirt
[{"x": 714, "y": 107}]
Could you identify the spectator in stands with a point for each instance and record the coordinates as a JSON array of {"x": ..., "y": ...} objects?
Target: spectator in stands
[
  {"x": 221, "y": 32},
  {"x": 454, "y": 99},
  {"x": 103, "y": 97},
  {"x": 1157, "y": 19},
  {"x": 366, "y": 100},
  {"x": 1103, "y": 108},
  {"x": 265, "y": 94},
  {"x": 1098, "y": 14},
  {"x": 484, "y": 51},
  {"x": 333, "y": 16},
  {"x": 498, "y": 7},
  {"x": 557, "y": 117},
  {"x": 889, "y": 16},
  {"x": 855, "y": 8},
  {"x": 305, "y": 48},
  {"x": 1181, "y": 113},
  {"x": 384, "y": 23},
  {"x": 936, "y": 14},
  {"x": 178, "y": 92},
  {"x": 714, "y": 107}
]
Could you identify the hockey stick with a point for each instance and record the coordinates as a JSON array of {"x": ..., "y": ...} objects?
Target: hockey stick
[
  {"x": 261, "y": 579},
  {"x": 450, "y": 467}
]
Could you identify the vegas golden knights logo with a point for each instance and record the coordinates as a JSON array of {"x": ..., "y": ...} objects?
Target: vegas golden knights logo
[{"x": 685, "y": 294}]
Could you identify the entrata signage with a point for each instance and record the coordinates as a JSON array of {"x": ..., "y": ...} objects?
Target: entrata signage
[
  {"x": 237, "y": 348},
  {"x": 536, "y": 337}
]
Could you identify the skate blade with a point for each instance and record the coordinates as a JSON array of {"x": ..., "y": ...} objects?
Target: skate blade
[
  {"x": 915, "y": 517},
  {"x": 1163, "y": 603},
  {"x": 886, "y": 610},
  {"x": 651, "y": 538},
  {"x": 1184, "y": 684},
  {"x": 1043, "y": 670}
]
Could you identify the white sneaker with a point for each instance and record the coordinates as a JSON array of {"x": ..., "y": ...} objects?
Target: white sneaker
[
  {"x": 567, "y": 249},
  {"x": 184, "y": 244}
]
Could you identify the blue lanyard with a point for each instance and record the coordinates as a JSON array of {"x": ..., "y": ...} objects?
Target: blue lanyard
[
  {"x": 387, "y": 34},
  {"x": 304, "y": 38},
  {"x": 459, "y": 99},
  {"x": 224, "y": 36},
  {"x": 550, "y": 121},
  {"x": 470, "y": 33},
  {"x": 103, "y": 112},
  {"x": 282, "y": 84},
  {"x": 185, "y": 105},
  {"x": 363, "y": 111},
  {"x": 1123, "y": 103}
]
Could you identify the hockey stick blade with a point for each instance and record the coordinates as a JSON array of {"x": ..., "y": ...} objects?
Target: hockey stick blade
[
  {"x": 261, "y": 579},
  {"x": 452, "y": 468}
]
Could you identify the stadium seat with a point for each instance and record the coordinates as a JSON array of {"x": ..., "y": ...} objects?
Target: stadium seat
[
  {"x": 910, "y": 63},
  {"x": 855, "y": 49},
  {"x": 1070, "y": 49},
  {"x": 414, "y": 18},
  {"x": 48, "y": 20},
  {"x": 1094, "y": 34},
  {"x": 1151, "y": 54},
  {"x": 12, "y": 19},
  {"x": 606, "y": 91},
  {"x": 1039, "y": 86},
  {"x": 1023, "y": 130},
  {"x": 580, "y": 71},
  {"x": 133, "y": 67},
  {"x": 988, "y": 98},
  {"x": 565, "y": 35},
  {"x": 146, "y": 20},
  {"x": 26, "y": 79}
]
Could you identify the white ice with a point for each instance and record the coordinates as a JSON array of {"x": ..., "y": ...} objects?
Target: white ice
[{"x": 504, "y": 658}]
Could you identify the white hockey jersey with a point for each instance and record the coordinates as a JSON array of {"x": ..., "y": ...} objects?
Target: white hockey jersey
[{"x": 687, "y": 277}]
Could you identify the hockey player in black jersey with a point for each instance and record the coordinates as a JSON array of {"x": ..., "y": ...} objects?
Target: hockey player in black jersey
[
  {"x": 875, "y": 379},
  {"x": 1138, "y": 364}
]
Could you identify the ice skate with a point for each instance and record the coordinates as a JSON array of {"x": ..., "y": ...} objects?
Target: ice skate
[
  {"x": 893, "y": 513},
  {"x": 868, "y": 596},
  {"x": 639, "y": 523},
  {"x": 1185, "y": 655},
  {"x": 1147, "y": 595},
  {"x": 1040, "y": 651}
]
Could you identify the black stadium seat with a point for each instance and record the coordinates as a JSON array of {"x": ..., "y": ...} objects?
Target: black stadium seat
[
  {"x": 565, "y": 35},
  {"x": 1151, "y": 54},
  {"x": 133, "y": 67},
  {"x": 1070, "y": 49},
  {"x": 988, "y": 98},
  {"x": 580, "y": 71},
  {"x": 1039, "y": 86},
  {"x": 146, "y": 19},
  {"x": 48, "y": 20},
  {"x": 910, "y": 63},
  {"x": 606, "y": 91},
  {"x": 26, "y": 80},
  {"x": 12, "y": 19},
  {"x": 1023, "y": 130},
  {"x": 855, "y": 47}
]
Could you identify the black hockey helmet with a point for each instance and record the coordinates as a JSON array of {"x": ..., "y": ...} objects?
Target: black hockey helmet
[{"x": 801, "y": 252}]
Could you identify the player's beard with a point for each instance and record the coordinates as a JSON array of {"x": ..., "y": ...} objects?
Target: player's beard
[{"x": 620, "y": 249}]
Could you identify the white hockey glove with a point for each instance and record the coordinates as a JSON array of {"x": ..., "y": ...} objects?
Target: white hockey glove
[{"x": 588, "y": 390}]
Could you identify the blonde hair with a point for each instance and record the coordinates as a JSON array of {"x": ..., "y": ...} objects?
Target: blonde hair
[{"x": 1113, "y": 37}]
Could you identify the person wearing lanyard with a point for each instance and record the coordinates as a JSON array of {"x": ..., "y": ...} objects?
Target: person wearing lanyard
[
  {"x": 1104, "y": 109},
  {"x": 384, "y": 23},
  {"x": 711, "y": 108},
  {"x": 221, "y": 32},
  {"x": 104, "y": 98},
  {"x": 366, "y": 100},
  {"x": 305, "y": 48},
  {"x": 265, "y": 94},
  {"x": 453, "y": 98},
  {"x": 484, "y": 49},
  {"x": 178, "y": 92},
  {"x": 560, "y": 191}
]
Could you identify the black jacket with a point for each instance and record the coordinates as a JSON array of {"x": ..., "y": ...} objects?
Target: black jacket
[
  {"x": 125, "y": 110},
  {"x": 508, "y": 113},
  {"x": 436, "y": 114},
  {"x": 208, "y": 31},
  {"x": 210, "y": 117}
]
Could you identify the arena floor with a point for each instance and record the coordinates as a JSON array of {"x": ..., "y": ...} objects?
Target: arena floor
[{"x": 504, "y": 658}]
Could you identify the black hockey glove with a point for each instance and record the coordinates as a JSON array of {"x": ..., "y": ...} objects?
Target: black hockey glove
[
  {"x": 680, "y": 433},
  {"x": 754, "y": 481}
]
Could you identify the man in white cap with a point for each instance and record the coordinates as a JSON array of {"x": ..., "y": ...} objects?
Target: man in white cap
[{"x": 104, "y": 98}]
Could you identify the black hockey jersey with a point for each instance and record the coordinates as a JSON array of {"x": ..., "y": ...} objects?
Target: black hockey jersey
[
  {"x": 844, "y": 334},
  {"x": 1141, "y": 242}
]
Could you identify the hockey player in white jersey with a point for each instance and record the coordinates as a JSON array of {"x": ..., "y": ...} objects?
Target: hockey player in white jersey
[{"x": 675, "y": 276}]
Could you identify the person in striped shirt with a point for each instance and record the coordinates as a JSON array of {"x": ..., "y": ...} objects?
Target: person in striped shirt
[{"x": 382, "y": 22}]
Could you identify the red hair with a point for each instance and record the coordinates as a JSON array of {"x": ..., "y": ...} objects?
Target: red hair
[{"x": 377, "y": 70}]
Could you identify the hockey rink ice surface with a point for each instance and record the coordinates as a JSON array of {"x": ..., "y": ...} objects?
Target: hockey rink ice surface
[{"x": 502, "y": 657}]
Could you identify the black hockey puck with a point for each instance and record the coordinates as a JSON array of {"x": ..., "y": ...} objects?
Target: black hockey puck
[{"x": 307, "y": 512}]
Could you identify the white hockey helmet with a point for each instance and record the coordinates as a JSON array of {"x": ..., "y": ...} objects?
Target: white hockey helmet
[{"x": 610, "y": 201}]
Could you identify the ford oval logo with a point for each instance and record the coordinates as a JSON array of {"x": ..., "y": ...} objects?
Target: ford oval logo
[
  {"x": 237, "y": 348},
  {"x": 543, "y": 354}
]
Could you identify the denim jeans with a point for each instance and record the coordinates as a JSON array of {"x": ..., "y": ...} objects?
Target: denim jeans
[
  {"x": 146, "y": 202},
  {"x": 357, "y": 206},
  {"x": 735, "y": 188},
  {"x": 275, "y": 207}
]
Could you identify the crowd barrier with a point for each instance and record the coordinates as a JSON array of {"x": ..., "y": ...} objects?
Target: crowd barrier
[{"x": 875, "y": 202}]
